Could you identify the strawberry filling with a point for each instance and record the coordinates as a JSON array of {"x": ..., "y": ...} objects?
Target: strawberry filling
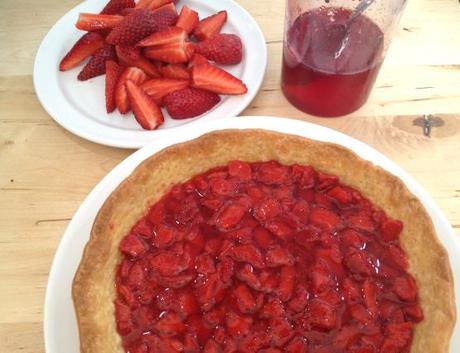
[{"x": 262, "y": 257}]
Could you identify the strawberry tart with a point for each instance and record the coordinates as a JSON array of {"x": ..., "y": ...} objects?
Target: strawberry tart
[{"x": 255, "y": 241}]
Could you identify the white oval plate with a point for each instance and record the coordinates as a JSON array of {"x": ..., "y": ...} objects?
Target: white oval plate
[
  {"x": 61, "y": 332},
  {"x": 80, "y": 106}
]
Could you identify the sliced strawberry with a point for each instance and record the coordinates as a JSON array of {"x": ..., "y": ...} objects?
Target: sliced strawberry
[
  {"x": 405, "y": 288},
  {"x": 96, "y": 65},
  {"x": 246, "y": 274},
  {"x": 121, "y": 96},
  {"x": 127, "y": 54},
  {"x": 212, "y": 347},
  {"x": 190, "y": 102},
  {"x": 370, "y": 296},
  {"x": 133, "y": 28},
  {"x": 115, "y": 7},
  {"x": 214, "y": 79},
  {"x": 238, "y": 325},
  {"x": 165, "y": 16},
  {"x": 248, "y": 253},
  {"x": 166, "y": 263},
  {"x": 93, "y": 22},
  {"x": 176, "y": 53},
  {"x": 229, "y": 216},
  {"x": 175, "y": 71},
  {"x": 112, "y": 73},
  {"x": 267, "y": 209},
  {"x": 324, "y": 219},
  {"x": 146, "y": 111},
  {"x": 278, "y": 256},
  {"x": 169, "y": 324},
  {"x": 391, "y": 229},
  {"x": 132, "y": 246},
  {"x": 191, "y": 344},
  {"x": 210, "y": 26},
  {"x": 160, "y": 87},
  {"x": 151, "y": 4},
  {"x": 124, "y": 321},
  {"x": 131, "y": 56},
  {"x": 82, "y": 49},
  {"x": 245, "y": 300},
  {"x": 223, "y": 48},
  {"x": 297, "y": 345},
  {"x": 239, "y": 169},
  {"x": 197, "y": 59},
  {"x": 322, "y": 314},
  {"x": 187, "y": 304},
  {"x": 287, "y": 283},
  {"x": 169, "y": 35},
  {"x": 281, "y": 331},
  {"x": 188, "y": 19}
]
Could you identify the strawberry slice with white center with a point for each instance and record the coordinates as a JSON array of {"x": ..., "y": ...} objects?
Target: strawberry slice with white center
[
  {"x": 92, "y": 22},
  {"x": 160, "y": 87},
  {"x": 215, "y": 79},
  {"x": 170, "y": 35},
  {"x": 210, "y": 26},
  {"x": 176, "y": 53},
  {"x": 175, "y": 71},
  {"x": 133, "y": 74},
  {"x": 197, "y": 59},
  {"x": 188, "y": 19},
  {"x": 83, "y": 48},
  {"x": 151, "y": 4},
  {"x": 146, "y": 111}
]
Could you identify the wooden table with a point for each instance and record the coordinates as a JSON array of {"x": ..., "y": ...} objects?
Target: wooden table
[{"x": 46, "y": 172}]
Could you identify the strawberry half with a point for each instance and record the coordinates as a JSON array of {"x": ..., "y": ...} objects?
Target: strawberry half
[
  {"x": 214, "y": 79},
  {"x": 188, "y": 19},
  {"x": 223, "y": 48},
  {"x": 176, "y": 53},
  {"x": 131, "y": 56},
  {"x": 197, "y": 59},
  {"x": 134, "y": 27},
  {"x": 146, "y": 111},
  {"x": 112, "y": 72},
  {"x": 93, "y": 22},
  {"x": 210, "y": 26},
  {"x": 160, "y": 87},
  {"x": 133, "y": 74},
  {"x": 115, "y": 7},
  {"x": 175, "y": 71},
  {"x": 189, "y": 102},
  {"x": 82, "y": 49},
  {"x": 167, "y": 36},
  {"x": 96, "y": 65}
]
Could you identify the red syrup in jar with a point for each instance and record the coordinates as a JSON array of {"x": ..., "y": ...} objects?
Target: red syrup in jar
[
  {"x": 265, "y": 258},
  {"x": 314, "y": 78}
]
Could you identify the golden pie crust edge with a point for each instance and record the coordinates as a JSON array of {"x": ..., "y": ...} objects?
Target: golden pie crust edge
[{"x": 94, "y": 284}]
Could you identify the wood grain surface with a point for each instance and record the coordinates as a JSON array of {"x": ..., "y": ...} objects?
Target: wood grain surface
[{"x": 46, "y": 172}]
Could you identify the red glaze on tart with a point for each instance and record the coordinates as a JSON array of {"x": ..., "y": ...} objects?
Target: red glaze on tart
[{"x": 262, "y": 257}]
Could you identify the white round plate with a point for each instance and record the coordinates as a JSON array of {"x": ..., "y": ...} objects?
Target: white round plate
[
  {"x": 61, "y": 332},
  {"x": 80, "y": 106}
]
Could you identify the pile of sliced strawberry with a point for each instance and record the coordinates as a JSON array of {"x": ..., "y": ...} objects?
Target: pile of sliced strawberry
[
  {"x": 155, "y": 57},
  {"x": 265, "y": 258}
]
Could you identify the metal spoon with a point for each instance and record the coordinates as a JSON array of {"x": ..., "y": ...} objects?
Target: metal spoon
[{"x": 362, "y": 6}]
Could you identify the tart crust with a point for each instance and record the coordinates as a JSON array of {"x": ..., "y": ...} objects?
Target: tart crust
[{"x": 94, "y": 284}]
